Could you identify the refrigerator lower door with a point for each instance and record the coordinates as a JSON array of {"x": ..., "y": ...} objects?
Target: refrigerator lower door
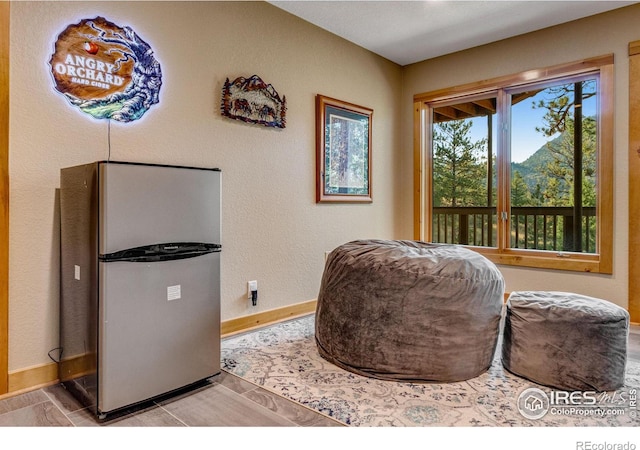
[{"x": 159, "y": 327}]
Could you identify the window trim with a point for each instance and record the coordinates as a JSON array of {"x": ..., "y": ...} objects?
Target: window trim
[{"x": 601, "y": 262}]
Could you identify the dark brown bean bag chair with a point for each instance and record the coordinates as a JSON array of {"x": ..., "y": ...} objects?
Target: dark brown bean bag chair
[{"x": 409, "y": 311}]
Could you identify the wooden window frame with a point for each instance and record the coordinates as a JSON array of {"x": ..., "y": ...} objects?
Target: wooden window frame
[
  {"x": 634, "y": 187},
  {"x": 601, "y": 262},
  {"x": 4, "y": 195}
]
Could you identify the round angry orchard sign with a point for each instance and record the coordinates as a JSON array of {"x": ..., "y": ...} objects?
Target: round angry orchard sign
[{"x": 107, "y": 71}]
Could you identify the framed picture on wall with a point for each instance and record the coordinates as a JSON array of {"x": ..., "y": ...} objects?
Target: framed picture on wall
[{"x": 343, "y": 151}]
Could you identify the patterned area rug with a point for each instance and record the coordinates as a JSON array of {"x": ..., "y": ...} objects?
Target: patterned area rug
[{"x": 283, "y": 359}]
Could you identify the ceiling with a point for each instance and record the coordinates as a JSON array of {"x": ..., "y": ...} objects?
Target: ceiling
[{"x": 406, "y": 32}]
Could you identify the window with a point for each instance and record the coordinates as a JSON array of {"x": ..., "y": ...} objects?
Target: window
[{"x": 521, "y": 168}]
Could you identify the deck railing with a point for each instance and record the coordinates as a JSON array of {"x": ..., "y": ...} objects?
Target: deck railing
[{"x": 532, "y": 227}]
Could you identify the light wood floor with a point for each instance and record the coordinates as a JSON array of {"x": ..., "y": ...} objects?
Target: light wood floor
[{"x": 227, "y": 401}]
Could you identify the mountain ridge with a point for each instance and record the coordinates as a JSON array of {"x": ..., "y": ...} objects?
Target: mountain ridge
[{"x": 531, "y": 168}]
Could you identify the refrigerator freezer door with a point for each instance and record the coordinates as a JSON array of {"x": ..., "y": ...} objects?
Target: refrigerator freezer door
[
  {"x": 159, "y": 327},
  {"x": 147, "y": 204}
]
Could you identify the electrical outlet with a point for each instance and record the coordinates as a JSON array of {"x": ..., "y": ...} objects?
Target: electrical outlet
[{"x": 251, "y": 286}]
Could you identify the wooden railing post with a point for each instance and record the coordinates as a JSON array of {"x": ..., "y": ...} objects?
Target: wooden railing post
[
  {"x": 463, "y": 229},
  {"x": 567, "y": 234}
]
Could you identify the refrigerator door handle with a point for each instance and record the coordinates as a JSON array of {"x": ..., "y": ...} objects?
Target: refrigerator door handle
[{"x": 162, "y": 252}]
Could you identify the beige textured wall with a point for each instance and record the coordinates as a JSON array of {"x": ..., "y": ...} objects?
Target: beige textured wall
[
  {"x": 273, "y": 231},
  {"x": 598, "y": 35}
]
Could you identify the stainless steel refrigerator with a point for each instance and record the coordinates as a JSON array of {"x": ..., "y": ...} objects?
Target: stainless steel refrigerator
[{"x": 140, "y": 281}]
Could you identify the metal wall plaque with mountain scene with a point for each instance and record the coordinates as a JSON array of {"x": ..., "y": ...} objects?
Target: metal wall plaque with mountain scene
[{"x": 254, "y": 101}]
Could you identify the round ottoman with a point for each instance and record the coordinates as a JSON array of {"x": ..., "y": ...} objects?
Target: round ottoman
[
  {"x": 409, "y": 311},
  {"x": 566, "y": 341}
]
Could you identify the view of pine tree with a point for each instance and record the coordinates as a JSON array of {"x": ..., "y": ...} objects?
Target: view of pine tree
[
  {"x": 520, "y": 193},
  {"x": 559, "y": 171},
  {"x": 553, "y": 175},
  {"x": 560, "y": 103},
  {"x": 459, "y": 165}
]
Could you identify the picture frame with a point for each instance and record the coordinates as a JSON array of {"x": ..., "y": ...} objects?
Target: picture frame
[{"x": 343, "y": 151}]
